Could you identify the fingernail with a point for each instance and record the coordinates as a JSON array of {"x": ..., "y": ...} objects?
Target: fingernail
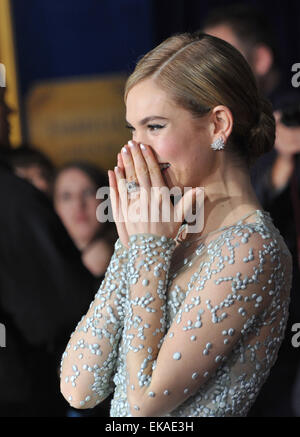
[
  {"x": 130, "y": 143},
  {"x": 116, "y": 168},
  {"x": 142, "y": 147},
  {"x": 124, "y": 150}
]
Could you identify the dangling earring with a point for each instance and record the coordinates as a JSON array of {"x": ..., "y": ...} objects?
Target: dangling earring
[{"x": 218, "y": 144}]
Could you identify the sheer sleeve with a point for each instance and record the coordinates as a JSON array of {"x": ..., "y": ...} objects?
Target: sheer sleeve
[
  {"x": 169, "y": 361},
  {"x": 88, "y": 363}
]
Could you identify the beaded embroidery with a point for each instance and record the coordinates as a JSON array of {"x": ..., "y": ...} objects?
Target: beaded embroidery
[{"x": 199, "y": 342}]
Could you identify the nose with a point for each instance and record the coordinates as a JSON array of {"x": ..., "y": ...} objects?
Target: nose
[
  {"x": 78, "y": 203},
  {"x": 82, "y": 202},
  {"x": 140, "y": 137}
]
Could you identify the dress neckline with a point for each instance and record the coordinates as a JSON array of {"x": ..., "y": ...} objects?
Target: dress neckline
[
  {"x": 189, "y": 260},
  {"x": 215, "y": 231}
]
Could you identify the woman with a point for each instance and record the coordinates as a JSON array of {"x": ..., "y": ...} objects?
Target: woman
[
  {"x": 185, "y": 323},
  {"x": 75, "y": 202}
]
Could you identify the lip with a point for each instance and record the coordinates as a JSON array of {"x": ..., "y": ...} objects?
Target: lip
[
  {"x": 81, "y": 219},
  {"x": 164, "y": 166}
]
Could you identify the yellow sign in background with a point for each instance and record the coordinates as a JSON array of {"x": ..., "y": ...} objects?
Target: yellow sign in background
[
  {"x": 80, "y": 119},
  {"x": 7, "y": 57}
]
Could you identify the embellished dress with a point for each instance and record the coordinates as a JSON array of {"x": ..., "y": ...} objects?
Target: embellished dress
[{"x": 184, "y": 337}]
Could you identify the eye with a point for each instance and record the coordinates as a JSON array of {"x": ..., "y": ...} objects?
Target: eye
[
  {"x": 88, "y": 192},
  {"x": 154, "y": 127},
  {"x": 131, "y": 128},
  {"x": 65, "y": 196}
]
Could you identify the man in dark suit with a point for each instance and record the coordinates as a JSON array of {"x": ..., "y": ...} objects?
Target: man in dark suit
[{"x": 44, "y": 291}]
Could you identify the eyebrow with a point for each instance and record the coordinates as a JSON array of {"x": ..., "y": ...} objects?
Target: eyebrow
[{"x": 150, "y": 118}]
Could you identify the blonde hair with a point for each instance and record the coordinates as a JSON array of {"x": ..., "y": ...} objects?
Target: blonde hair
[{"x": 200, "y": 72}]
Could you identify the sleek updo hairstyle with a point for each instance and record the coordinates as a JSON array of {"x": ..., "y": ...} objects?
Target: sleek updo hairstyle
[{"x": 200, "y": 72}]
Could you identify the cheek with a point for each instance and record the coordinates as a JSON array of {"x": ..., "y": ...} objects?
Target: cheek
[
  {"x": 91, "y": 208},
  {"x": 167, "y": 149},
  {"x": 64, "y": 212}
]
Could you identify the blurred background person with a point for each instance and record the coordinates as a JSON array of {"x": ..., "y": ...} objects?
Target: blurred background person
[
  {"x": 275, "y": 176},
  {"x": 244, "y": 27},
  {"x": 44, "y": 288},
  {"x": 75, "y": 201},
  {"x": 34, "y": 166}
]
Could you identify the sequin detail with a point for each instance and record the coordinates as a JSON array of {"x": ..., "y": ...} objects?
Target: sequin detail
[{"x": 244, "y": 273}]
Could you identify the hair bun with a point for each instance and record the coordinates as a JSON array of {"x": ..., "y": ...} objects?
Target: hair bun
[{"x": 262, "y": 135}]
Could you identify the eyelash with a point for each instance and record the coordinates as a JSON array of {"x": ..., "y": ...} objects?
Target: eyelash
[{"x": 152, "y": 127}]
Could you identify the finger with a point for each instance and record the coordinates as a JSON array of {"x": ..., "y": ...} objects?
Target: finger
[
  {"x": 117, "y": 211},
  {"x": 114, "y": 197},
  {"x": 155, "y": 175},
  {"x": 122, "y": 191},
  {"x": 141, "y": 167},
  {"x": 120, "y": 163},
  {"x": 129, "y": 169}
]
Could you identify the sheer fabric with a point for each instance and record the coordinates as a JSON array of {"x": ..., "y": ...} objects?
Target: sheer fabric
[{"x": 183, "y": 330}]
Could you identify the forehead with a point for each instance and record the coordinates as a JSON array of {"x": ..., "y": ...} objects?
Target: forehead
[
  {"x": 73, "y": 178},
  {"x": 147, "y": 98}
]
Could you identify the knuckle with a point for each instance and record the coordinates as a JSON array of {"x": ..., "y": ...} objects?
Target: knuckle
[
  {"x": 153, "y": 168},
  {"x": 143, "y": 170}
]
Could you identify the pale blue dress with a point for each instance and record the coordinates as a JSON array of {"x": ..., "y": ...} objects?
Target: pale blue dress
[{"x": 223, "y": 312}]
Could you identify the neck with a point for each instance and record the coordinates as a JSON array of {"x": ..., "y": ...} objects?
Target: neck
[{"x": 228, "y": 196}]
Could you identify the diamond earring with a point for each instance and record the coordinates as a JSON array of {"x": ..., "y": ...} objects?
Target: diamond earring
[{"x": 218, "y": 144}]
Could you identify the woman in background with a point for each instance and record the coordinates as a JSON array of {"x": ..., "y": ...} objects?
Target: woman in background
[{"x": 75, "y": 188}]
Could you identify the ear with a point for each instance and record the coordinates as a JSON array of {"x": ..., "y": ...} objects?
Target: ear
[
  {"x": 221, "y": 122},
  {"x": 262, "y": 60}
]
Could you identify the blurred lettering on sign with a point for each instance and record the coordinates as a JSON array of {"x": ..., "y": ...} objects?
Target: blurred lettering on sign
[{"x": 80, "y": 119}]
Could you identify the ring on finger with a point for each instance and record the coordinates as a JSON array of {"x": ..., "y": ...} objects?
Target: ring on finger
[{"x": 132, "y": 186}]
